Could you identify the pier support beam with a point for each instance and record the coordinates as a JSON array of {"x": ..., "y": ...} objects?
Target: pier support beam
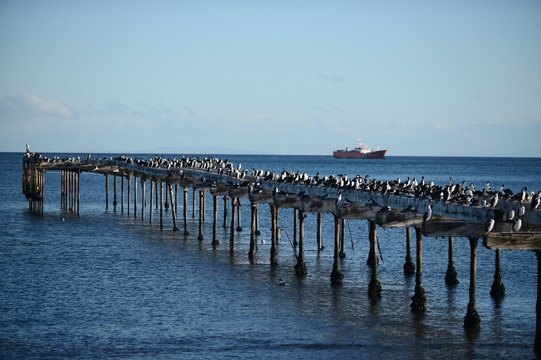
[
  {"x": 106, "y": 192},
  {"x": 295, "y": 217},
  {"x": 371, "y": 259},
  {"x": 239, "y": 218},
  {"x": 122, "y": 194},
  {"x": 319, "y": 232},
  {"x": 193, "y": 203},
  {"x": 274, "y": 235},
  {"x": 374, "y": 288},
  {"x": 472, "y": 319},
  {"x": 256, "y": 224},
  {"x": 185, "y": 211},
  {"x": 114, "y": 193},
  {"x": 300, "y": 267},
  {"x": 336, "y": 275},
  {"x": 128, "y": 192},
  {"x": 151, "y": 201},
  {"x": 537, "y": 342},
  {"x": 409, "y": 266},
  {"x": 143, "y": 198},
  {"x": 161, "y": 202},
  {"x": 225, "y": 212},
  {"x": 135, "y": 197},
  {"x": 451, "y": 276},
  {"x": 342, "y": 239},
  {"x": 201, "y": 199},
  {"x": 173, "y": 211},
  {"x": 497, "y": 291},
  {"x": 251, "y": 252},
  {"x": 232, "y": 228},
  {"x": 418, "y": 300},
  {"x": 215, "y": 241}
]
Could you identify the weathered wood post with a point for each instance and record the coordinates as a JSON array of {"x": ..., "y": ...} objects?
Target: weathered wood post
[
  {"x": 193, "y": 202},
  {"x": 161, "y": 203},
  {"x": 537, "y": 342},
  {"x": 251, "y": 252},
  {"x": 274, "y": 232},
  {"x": 128, "y": 193},
  {"x": 371, "y": 259},
  {"x": 418, "y": 300},
  {"x": 497, "y": 290},
  {"x": 135, "y": 197},
  {"x": 173, "y": 212},
  {"x": 215, "y": 241},
  {"x": 225, "y": 211},
  {"x": 114, "y": 193},
  {"x": 472, "y": 319},
  {"x": 122, "y": 194},
  {"x": 185, "y": 211},
  {"x": 176, "y": 198},
  {"x": 295, "y": 217},
  {"x": 151, "y": 200},
  {"x": 374, "y": 288},
  {"x": 201, "y": 196},
  {"x": 232, "y": 229},
  {"x": 409, "y": 266},
  {"x": 451, "y": 276},
  {"x": 319, "y": 232},
  {"x": 106, "y": 191},
  {"x": 78, "y": 190},
  {"x": 342, "y": 253},
  {"x": 143, "y": 198},
  {"x": 239, "y": 219},
  {"x": 156, "y": 190},
  {"x": 336, "y": 275},
  {"x": 203, "y": 204},
  {"x": 300, "y": 267},
  {"x": 256, "y": 225}
]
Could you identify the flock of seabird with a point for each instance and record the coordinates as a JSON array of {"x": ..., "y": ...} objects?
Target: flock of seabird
[{"x": 455, "y": 193}]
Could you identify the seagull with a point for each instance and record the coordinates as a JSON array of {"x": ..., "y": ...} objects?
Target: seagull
[
  {"x": 511, "y": 215},
  {"x": 494, "y": 200},
  {"x": 517, "y": 224},
  {"x": 490, "y": 225},
  {"x": 521, "y": 211},
  {"x": 428, "y": 214}
]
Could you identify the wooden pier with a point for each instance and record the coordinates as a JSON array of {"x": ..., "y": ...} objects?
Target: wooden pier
[{"x": 501, "y": 219}]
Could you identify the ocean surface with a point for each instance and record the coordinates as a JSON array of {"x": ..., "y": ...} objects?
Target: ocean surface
[{"x": 103, "y": 285}]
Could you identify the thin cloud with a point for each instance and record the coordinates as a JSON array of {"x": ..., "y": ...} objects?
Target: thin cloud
[{"x": 28, "y": 107}]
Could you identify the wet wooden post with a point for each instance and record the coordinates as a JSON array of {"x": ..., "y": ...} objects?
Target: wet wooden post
[
  {"x": 232, "y": 228},
  {"x": 173, "y": 212},
  {"x": 371, "y": 259},
  {"x": 78, "y": 190},
  {"x": 176, "y": 198},
  {"x": 537, "y": 342},
  {"x": 128, "y": 193},
  {"x": 418, "y": 300},
  {"x": 225, "y": 211},
  {"x": 203, "y": 204},
  {"x": 122, "y": 194},
  {"x": 106, "y": 191},
  {"x": 135, "y": 197},
  {"x": 374, "y": 288},
  {"x": 193, "y": 202},
  {"x": 472, "y": 319},
  {"x": 319, "y": 232},
  {"x": 277, "y": 228},
  {"x": 150, "y": 200},
  {"x": 300, "y": 267},
  {"x": 336, "y": 275},
  {"x": 251, "y": 252},
  {"x": 185, "y": 211},
  {"x": 239, "y": 218},
  {"x": 295, "y": 217},
  {"x": 274, "y": 233},
  {"x": 215, "y": 241},
  {"x": 451, "y": 276},
  {"x": 409, "y": 266},
  {"x": 161, "y": 202},
  {"x": 342, "y": 253},
  {"x": 200, "y": 236},
  {"x": 156, "y": 189},
  {"x": 114, "y": 193},
  {"x": 70, "y": 190},
  {"x": 497, "y": 290},
  {"x": 256, "y": 225},
  {"x": 143, "y": 198}
]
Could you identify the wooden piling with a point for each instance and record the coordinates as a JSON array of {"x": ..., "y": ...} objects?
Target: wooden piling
[
  {"x": 185, "y": 211},
  {"x": 143, "y": 198},
  {"x": 300, "y": 267},
  {"x": 78, "y": 184},
  {"x": 225, "y": 211},
  {"x": 418, "y": 300},
  {"x": 114, "y": 193},
  {"x": 472, "y": 319},
  {"x": 215, "y": 241},
  {"x": 239, "y": 217},
  {"x": 160, "y": 187},
  {"x": 337, "y": 276},
  {"x": 295, "y": 217},
  {"x": 319, "y": 232},
  {"x": 451, "y": 276},
  {"x": 537, "y": 341},
  {"x": 374, "y": 287},
  {"x": 173, "y": 212},
  {"x": 251, "y": 252},
  {"x": 342, "y": 252},
  {"x": 201, "y": 196},
  {"x": 409, "y": 266},
  {"x": 151, "y": 200},
  {"x": 176, "y": 198},
  {"x": 497, "y": 290},
  {"x": 256, "y": 225},
  {"x": 193, "y": 203},
  {"x": 232, "y": 228},
  {"x": 156, "y": 190},
  {"x": 371, "y": 259},
  {"x": 122, "y": 194},
  {"x": 106, "y": 192},
  {"x": 128, "y": 193}
]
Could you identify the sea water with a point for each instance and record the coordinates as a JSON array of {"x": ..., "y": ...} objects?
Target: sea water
[{"x": 103, "y": 284}]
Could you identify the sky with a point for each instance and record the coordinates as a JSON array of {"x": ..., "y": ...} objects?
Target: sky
[{"x": 421, "y": 78}]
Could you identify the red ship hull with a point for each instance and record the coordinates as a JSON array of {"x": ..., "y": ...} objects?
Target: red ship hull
[{"x": 352, "y": 154}]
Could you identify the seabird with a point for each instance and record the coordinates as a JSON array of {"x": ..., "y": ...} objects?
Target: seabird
[
  {"x": 521, "y": 211},
  {"x": 281, "y": 282},
  {"x": 517, "y": 224},
  {"x": 511, "y": 215},
  {"x": 494, "y": 200},
  {"x": 428, "y": 214},
  {"x": 536, "y": 201},
  {"x": 490, "y": 225}
]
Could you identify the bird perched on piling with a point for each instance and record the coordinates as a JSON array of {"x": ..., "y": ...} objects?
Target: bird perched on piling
[
  {"x": 536, "y": 201},
  {"x": 428, "y": 214},
  {"x": 490, "y": 225}
]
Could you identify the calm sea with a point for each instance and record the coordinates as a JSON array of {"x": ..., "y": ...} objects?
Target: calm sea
[{"x": 106, "y": 285}]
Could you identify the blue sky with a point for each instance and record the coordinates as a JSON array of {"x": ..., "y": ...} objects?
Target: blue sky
[{"x": 272, "y": 77}]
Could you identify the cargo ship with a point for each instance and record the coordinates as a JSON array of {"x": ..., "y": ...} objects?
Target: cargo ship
[{"x": 360, "y": 152}]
